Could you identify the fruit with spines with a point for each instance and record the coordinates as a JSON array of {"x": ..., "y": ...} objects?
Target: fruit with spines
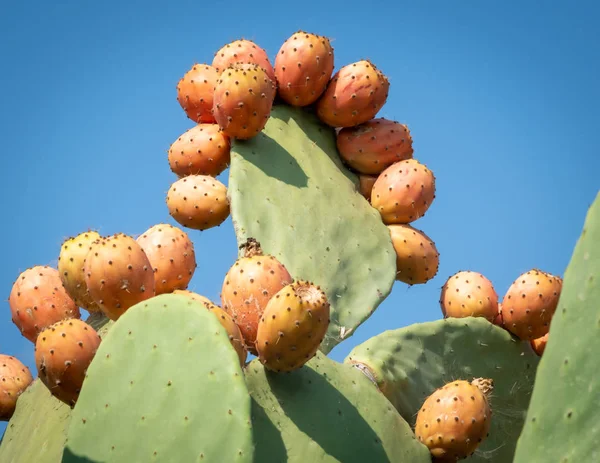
[
  {"x": 242, "y": 51},
  {"x": 529, "y": 304},
  {"x": 71, "y": 261},
  {"x": 195, "y": 296},
  {"x": 198, "y": 202},
  {"x": 455, "y": 419},
  {"x": 195, "y": 92},
  {"x": 365, "y": 185},
  {"x": 63, "y": 353},
  {"x": 469, "y": 294},
  {"x": 354, "y": 95},
  {"x": 417, "y": 257},
  {"x": 373, "y": 146},
  {"x": 249, "y": 285},
  {"x": 403, "y": 192},
  {"x": 498, "y": 320},
  {"x": 303, "y": 68},
  {"x": 202, "y": 150},
  {"x": 292, "y": 326},
  {"x": 233, "y": 331},
  {"x": 172, "y": 257},
  {"x": 243, "y": 99},
  {"x": 539, "y": 344},
  {"x": 38, "y": 299},
  {"x": 14, "y": 379},
  {"x": 118, "y": 274}
]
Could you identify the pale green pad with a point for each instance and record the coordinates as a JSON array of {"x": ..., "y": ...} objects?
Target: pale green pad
[
  {"x": 165, "y": 385},
  {"x": 326, "y": 412},
  {"x": 410, "y": 363},
  {"x": 290, "y": 191},
  {"x": 563, "y": 421},
  {"x": 37, "y": 431}
]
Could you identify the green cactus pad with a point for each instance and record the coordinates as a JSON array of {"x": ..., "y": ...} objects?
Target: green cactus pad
[
  {"x": 37, "y": 431},
  {"x": 409, "y": 363},
  {"x": 290, "y": 191},
  {"x": 165, "y": 385},
  {"x": 326, "y": 412},
  {"x": 562, "y": 420}
]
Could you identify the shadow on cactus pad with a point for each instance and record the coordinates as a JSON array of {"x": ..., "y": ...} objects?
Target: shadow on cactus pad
[
  {"x": 289, "y": 190},
  {"x": 410, "y": 363},
  {"x": 326, "y": 412}
]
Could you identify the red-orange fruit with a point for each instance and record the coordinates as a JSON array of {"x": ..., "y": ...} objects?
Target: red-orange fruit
[
  {"x": 417, "y": 258},
  {"x": 198, "y": 201},
  {"x": 529, "y": 304},
  {"x": 469, "y": 294},
  {"x": 249, "y": 285},
  {"x": 303, "y": 68},
  {"x": 403, "y": 192},
  {"x": 365, "y": 185},
  {"x": 14, "y": 379},
  {"x": 38, "y": 299},
  {"x": 498, "y": 319},
  {"x": 202, "y": 150},
  {"x": 354, "y": 95},
  {"x": 118, "y": 274},
  {"x": 63, "y": 353},
  {"x": 539, "y": 344},
  {"x": 242, "y": 51},
  {"x": 171, "y": 254},
  {"x": 195, "y": 92},
  {"x": 372, "y": 147}
]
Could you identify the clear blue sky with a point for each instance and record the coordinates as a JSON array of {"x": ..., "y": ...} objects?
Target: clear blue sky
[{"x": 502, "y": 100}]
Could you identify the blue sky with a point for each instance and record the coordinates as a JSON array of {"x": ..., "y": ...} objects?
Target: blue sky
[{"x": 501, "y": 98}]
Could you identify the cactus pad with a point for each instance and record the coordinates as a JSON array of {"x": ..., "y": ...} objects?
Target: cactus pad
[
  {"x": 326, "y": 412},
  {"x": 562, "y": 421},
  {"x": 409, "y": 363},
  {"x": 37, "y": 431},
  {"x": 165, "y": 385},
  {"x": 289, "y": 190}
]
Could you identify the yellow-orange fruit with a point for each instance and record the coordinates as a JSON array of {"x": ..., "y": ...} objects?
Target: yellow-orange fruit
[
  {"x": 38, "y": 299},
  {"x": 195, "y": 92},
  {"x": 242, "y": 51},
  {"x": 202, "y": 150},
  {"x": 469, "y": 294},
  {"x": 233, "y": 331},
  {"x": 539, "y": 344},
  {"x": 198, "y": 201},
  {"x": 14, "y": 379},
  {"x": 417, "y": 258},
  {"x": 171, "y": 254}
]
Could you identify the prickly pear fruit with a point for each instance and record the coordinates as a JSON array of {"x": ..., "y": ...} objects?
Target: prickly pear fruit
[
  {"x": 417, "y": 258},
  {"x": 303, "y": 67},
  {"x": 372, "y": 147},
  {"x": 118, "y": 274},
  {"x": 498, "y": 320},
  {"x": 198, "y": 201},
  {"x": 292, "y": 326},
  {"x": 455, "y": 419},
  {"x": 70, "y": 268},
  {"x": 243, "y": 100},
  {"x": 403, "y": 192},
  {"x": 249, "y": 285},
  {"x": 202, "y": 150},
  {"x": 193, "y": 295},
  {"x": 171, "y": 254},
  {"x": 354, "y": 95},
  {"x": 14, "y": 379},
  {"x": 469, "y": 294},
  {"x": 38, "y": 299},
  {"x": 530, "y": 303},
  {"x": 63, "y": 353},
  {"x": 539, "y": 344},
  {"x": 365, "y": 185},
  {"x": 235, "y": 335},
  {"x": 195, "y": 92},
  {"x": 242, "y": 51}
]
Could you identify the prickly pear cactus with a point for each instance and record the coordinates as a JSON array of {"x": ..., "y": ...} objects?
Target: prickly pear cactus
[
  {"x": 326, "y": 412},
  {"x": 562, "y": 421},
  {"x": 290, "y": 191},
  {"x": 37, "y": 430},
  {"x": 165, "y": 371},
  {"x": 409, "y": 363}
]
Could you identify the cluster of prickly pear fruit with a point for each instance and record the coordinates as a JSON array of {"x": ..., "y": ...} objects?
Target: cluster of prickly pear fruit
[{"x": 269, "y": 307}]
